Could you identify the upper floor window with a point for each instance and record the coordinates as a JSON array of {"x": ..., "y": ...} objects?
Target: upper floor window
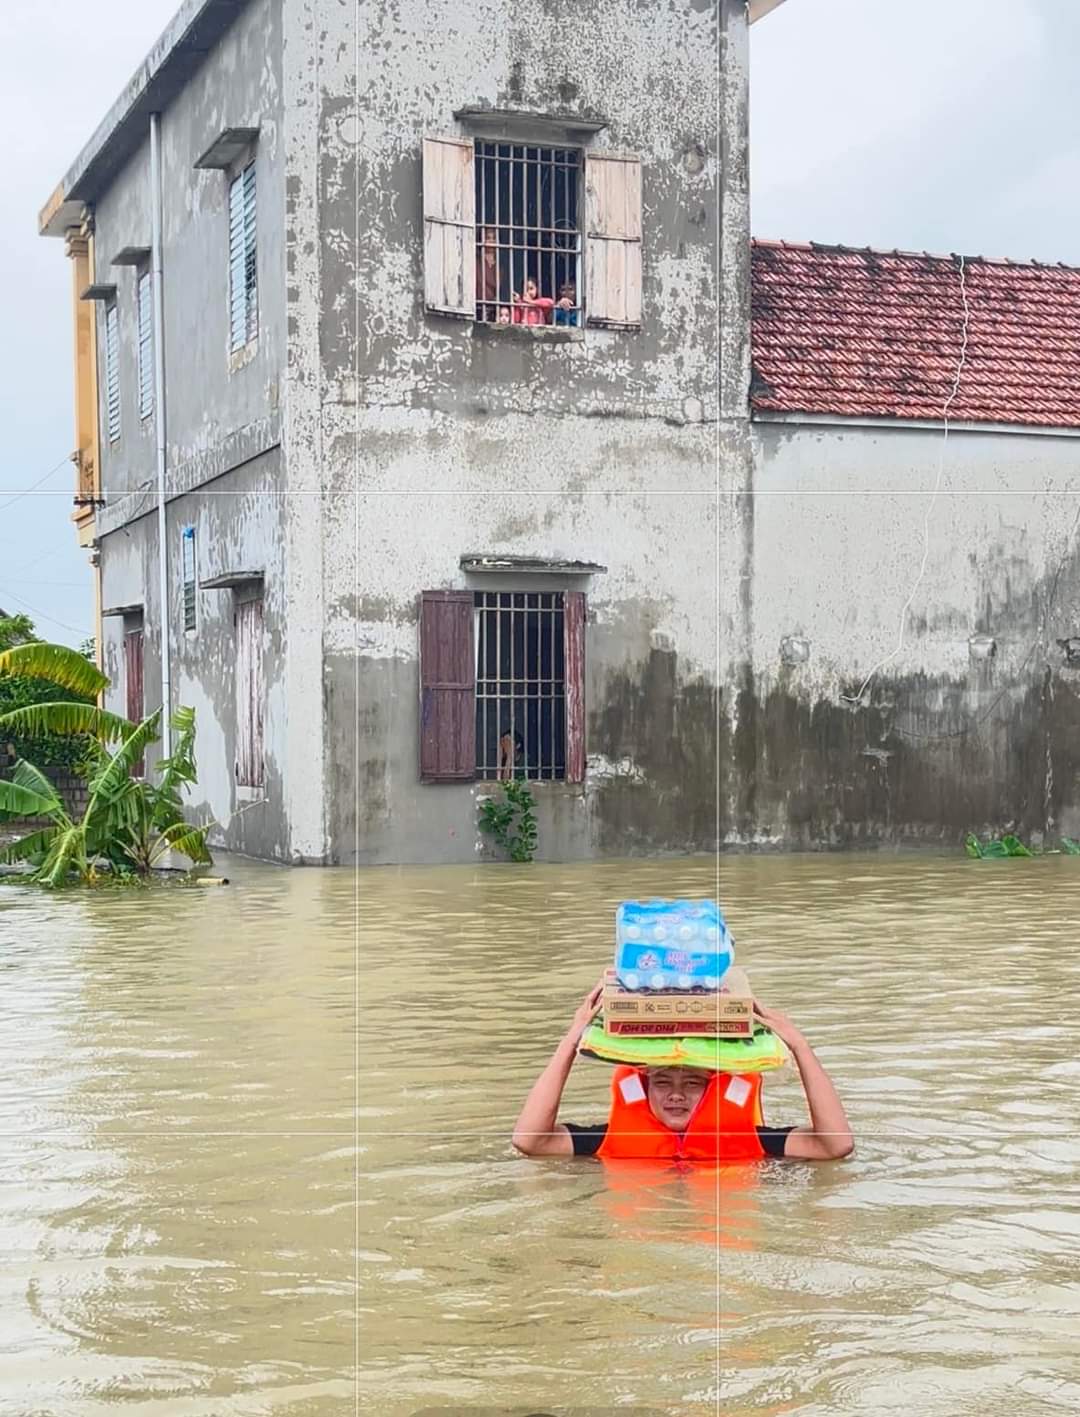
[
  {"x": 112, "y": 372},
  {"x": 518, "y": 234},
  {"x": 243, "y": 266},
  {"x": 528, "y": 238},
  {"x": 146, "y": 346}
]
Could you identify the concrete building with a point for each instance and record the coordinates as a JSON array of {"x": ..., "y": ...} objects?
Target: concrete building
[
  {"x": 405, "y": 527},
  {"x": 904, "y": 660}
]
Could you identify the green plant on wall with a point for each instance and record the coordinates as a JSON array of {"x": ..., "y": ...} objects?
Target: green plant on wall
[
  {"x": 998, "y": 848},
  {"x": 511, "y": 820},
  {"x": 984, "y": 850}
]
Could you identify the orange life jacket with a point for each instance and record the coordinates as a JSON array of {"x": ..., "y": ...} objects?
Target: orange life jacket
[{"x": 723, "y": 1128}]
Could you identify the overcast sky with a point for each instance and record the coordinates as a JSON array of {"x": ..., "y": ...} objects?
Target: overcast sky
[{"x": 940, "y": 125}]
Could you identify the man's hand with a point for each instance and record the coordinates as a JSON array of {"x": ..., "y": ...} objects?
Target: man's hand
[
  {"x": 587, "y": 1010},
  {"x": 828, "y": 1136},
  {"x": 781, "y": 1025},
  {"x": 537, "y": 1132}
]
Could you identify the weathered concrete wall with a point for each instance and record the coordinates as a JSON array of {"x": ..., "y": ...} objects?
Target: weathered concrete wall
[
  {"x": 221, "y": 410},
  {"x": 438, "y": 438},
  {"x": 224, "y": 418},
  {"x": 650, "y": 687},
  {"x": 231, "y": 513},
  {"x": 948, "y": 736}
]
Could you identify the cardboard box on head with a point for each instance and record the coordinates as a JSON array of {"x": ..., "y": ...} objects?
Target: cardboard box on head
[{"x": 724, "y": 1012}]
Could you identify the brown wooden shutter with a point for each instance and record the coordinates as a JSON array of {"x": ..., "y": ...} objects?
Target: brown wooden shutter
[
  {"x": 447, "y": 686},
  {"x": 133, "y": 674},
  {"x": 574, "y": 641},
  {"x": 249, "y": 693},
  {"x": 449, "y": 227},
  {"x": 133, "y": 684},
  {"x": 613, "y": 239}
]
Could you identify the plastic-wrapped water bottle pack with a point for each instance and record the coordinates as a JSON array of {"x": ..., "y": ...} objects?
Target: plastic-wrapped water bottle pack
[{"x": 671, "y": 944}]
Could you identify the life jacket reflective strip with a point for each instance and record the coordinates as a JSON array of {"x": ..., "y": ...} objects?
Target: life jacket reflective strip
[{"x": 723, "y": 1128}]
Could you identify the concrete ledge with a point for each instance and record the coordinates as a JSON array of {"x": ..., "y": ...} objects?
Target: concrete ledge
[{"x": 529, "y": 334}]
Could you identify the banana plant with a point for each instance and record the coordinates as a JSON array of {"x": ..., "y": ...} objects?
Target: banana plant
[
  {"x": 129, "y": 824},
  {"x": 31, "y": 794}
]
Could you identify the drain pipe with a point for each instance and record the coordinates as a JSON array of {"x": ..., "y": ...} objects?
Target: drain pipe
[{"x": 159, "y": 424}]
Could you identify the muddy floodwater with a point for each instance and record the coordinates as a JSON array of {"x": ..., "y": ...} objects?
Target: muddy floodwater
[{"x": 190, "y": 1225}]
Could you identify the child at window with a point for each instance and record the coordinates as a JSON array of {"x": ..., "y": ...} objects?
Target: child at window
[
  {"x": 511, "y": 753},
  {"x": 503, "y": 317},
  {"x": 566, "y": 306},
  {"x": 487, "y": 274},
  {"x": 530, "y": 307}
]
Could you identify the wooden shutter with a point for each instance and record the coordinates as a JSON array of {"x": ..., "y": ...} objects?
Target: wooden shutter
[
  {"x": 133, "y": 684},
  {"x": 112, "y": 373},
  {"x": 146, "y": 347},
  {"x": 613, "y": 239},
  {"x": 449, "y": 227},
  {"x": 249, "y": 693},
  {"x": 243, "y": 260},
  {"x": 574, "y": 642},
  {"x": 447, "y": 686}
]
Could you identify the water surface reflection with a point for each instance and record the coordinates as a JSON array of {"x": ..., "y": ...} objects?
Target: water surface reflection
[{"x": 182, "y": 1218}]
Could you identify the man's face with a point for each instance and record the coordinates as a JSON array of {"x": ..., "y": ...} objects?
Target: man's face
[{"x": 674, "y": 1094}]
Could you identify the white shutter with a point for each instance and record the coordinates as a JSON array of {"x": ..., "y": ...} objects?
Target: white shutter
[
  {"x": 112, "y": 373},
  {"x": 449, "y": 227},
  {"x": 243, "y": 263},
  {"x": 251, "y": 265},
  {"x": 613, "y": 239},
  {"x": 146, "y": 348}
]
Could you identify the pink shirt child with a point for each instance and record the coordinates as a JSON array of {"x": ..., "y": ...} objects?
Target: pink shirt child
[{"x": 531, "y": 308}]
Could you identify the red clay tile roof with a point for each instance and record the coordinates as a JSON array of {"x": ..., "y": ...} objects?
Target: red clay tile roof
[{"x": 879, "y": 333}]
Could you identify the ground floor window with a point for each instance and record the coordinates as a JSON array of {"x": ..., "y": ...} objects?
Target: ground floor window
[
  {"x": 520, "y": 685},
  {"x": 502, "y": 678}
]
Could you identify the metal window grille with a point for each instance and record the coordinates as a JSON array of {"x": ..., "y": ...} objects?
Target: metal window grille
[
  {"x": 188, "y": 563},
  {"x": 520, "y": 685},
  {"x": 146, "y": 348},
  {"x": 112, "y": 373},
  {"x": 528, "y": 231},
  {"x": 243, "y": 266}
]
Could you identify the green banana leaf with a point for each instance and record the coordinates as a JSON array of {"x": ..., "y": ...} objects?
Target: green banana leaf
[{"x": 60, "y": 665}]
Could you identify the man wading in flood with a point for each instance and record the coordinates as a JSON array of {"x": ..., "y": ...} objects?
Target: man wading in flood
[{"x": 681, "y": 1113}]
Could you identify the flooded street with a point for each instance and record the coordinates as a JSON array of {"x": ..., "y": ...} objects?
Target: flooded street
[{"x": 185, "y": 1230}]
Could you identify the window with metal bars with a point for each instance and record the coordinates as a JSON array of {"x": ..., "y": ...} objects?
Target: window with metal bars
[
  {"x": 528, "y": 234},
  {"x": 520, "y": 685},
  {"x": 112, "y": 372},
  {"x": 146, "y": 347},
  {"x": 191, "y": 602},
  {"x": 243, "y": 265}
]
